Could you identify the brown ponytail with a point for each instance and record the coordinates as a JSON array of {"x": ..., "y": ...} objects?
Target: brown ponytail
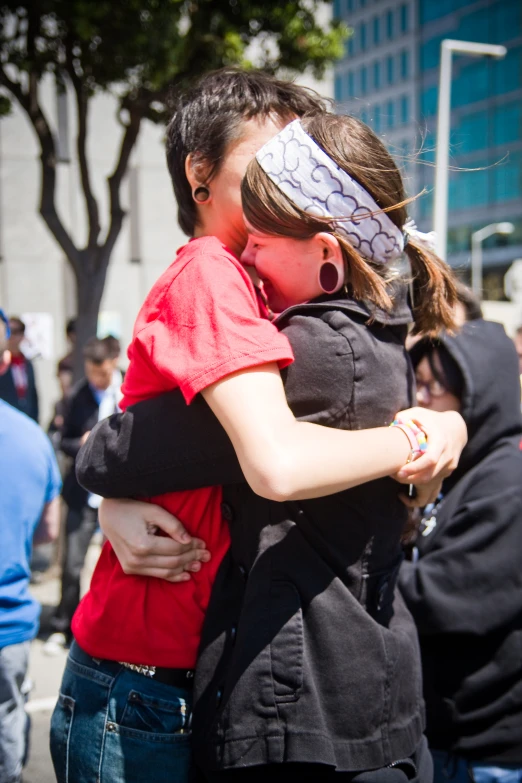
[
  {"x": 358, "y": 151},
  {"x": 434, "y": 290}
]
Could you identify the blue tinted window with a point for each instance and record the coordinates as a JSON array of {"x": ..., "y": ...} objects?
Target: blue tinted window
[
  {"x": 507, "y": 123},
  {"x": 351, "y": 85},
  {"x": 404, "y": 16},
  {"x": 507, "y": 21},
  {"x": 405, "y": 109},
  {"x": 362, "y": 36},
  {"x": 430, "y": 52},
  {"x": 377, "y": 119},
  {"x": 389, "y": 24},
  {"x": 471, "y": 133},
  {"x": 337, "y": 8},
  {"x": 363, "y": 3},
  {"x": 390, "y": 114},
  {"x": 349, "y": 5},
  {"x": 429, "y": 102},
  {"x": 377, "y": 75},
  {"x": 364, "y": 80},
  {"x": 476, "y": 26},
  {"x": 338, "y": 88},
  {"x": 351, "y": 46},
  {"x": 472, "y": 84},
  {"x": 376, "y": 30},
  {"x": 405, "y": 64},
  {"x": 507, "y": 179},
  {"x": 364, "y": 116},
  {"x": 390, "y": 70},
  {"x": 507, "y": 73}
]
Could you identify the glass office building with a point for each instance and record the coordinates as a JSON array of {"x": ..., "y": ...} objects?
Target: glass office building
[{"x": 389, "y": 78}]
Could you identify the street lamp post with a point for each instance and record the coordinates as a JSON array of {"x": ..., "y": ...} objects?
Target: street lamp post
[
  {"x": 440, "y": 207},
  {"x": 477, "y": 239}
]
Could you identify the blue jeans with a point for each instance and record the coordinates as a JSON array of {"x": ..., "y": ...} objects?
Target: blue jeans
[
  {"x": 454, "y": 769},
  {"x": 113, "y": 725},
  {"x": 14, "y": 722}
]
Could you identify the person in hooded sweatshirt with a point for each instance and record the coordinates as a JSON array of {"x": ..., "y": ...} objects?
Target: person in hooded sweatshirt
[{"x": 464, "y": 582}]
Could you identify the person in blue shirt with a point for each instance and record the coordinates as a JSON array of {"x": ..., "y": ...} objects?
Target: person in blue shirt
[{"x": 29, "y": 514}]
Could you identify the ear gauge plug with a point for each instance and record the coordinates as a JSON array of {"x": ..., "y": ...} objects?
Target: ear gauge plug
[
  {"x": 201, "y": 194},
  {"x": 330, "y": 278}
]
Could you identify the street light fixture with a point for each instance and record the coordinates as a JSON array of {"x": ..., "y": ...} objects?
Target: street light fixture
[
  {"x": 477, "y": 239},
  {"x": 440, "y": 207}
]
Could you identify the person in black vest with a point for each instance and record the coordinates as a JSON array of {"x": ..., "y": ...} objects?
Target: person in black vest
[
  {"x": 308, "y": 662},
  {"x": 83, "y": 410},
  {"x": 18, "y": 384},
  {"x": 464, "y": 584}
]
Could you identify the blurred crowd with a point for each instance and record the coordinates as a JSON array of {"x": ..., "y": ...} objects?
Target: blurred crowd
[{"x": 32, "y": 481}]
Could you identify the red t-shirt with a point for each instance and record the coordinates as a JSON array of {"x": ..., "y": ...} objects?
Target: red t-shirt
[{"x": 200, "y": 323}]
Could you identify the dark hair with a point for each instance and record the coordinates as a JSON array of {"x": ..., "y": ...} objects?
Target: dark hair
[
  {"x": 519, "y": 330},
  {"x": 70, "y": 327},
  {"x": 358, "y": 151},
  {"x": 114, "y": 345},
  {"x": 451, "y": 376},
  {"x": 17, "y": 323},
  {"x": 208, "y": 117},
  {"x": 469, "y": 301},
  {"x": 96, "y": 351}
]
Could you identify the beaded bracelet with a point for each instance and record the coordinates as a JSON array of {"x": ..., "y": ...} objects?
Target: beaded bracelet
[{"x": 416, "y": 437}]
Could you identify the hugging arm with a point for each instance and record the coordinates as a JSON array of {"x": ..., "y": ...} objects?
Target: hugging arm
[
  {"x": 164, "y": 445},
  {"x": 156, "y": 446}
]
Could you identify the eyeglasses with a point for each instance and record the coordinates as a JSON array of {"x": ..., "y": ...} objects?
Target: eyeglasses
[{"x": 433, "y": 388}]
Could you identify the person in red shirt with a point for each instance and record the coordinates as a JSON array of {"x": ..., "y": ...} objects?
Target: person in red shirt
[
  {"x": 18, "y": 385},
  {"x": 126, "y": 682}
]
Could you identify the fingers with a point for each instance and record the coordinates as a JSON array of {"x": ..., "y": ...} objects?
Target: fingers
[
  {"x": 169, "y": 524},
  {"x": 146, "y": 546},
  {"x": 166, "y": 574}
]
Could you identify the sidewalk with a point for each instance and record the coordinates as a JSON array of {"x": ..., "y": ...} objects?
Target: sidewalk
[{"x": 46, "y": 672}]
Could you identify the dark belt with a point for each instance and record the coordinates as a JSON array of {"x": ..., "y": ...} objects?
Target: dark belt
[{"x": 180, "y": 678}]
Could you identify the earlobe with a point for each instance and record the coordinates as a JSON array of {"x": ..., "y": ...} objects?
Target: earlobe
[
  {"x": 332, "y": 271},
  {"x": 200, "y": 192}
]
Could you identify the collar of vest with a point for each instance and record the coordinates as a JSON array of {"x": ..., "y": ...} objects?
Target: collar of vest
[{"x": 400, "y": 315}]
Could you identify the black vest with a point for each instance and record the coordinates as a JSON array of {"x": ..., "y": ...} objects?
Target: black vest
[{"x": 308, "y": 653}]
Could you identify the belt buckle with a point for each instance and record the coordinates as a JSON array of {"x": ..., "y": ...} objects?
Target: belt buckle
[{"x": 147, "y": 671}]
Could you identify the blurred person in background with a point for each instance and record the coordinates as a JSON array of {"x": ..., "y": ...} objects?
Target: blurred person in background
[
  {"x": 464, "y": 583},
  {"x": 17, "y": 384},
  {"x": 114, "y": 347},
  {"x": 65, "y": 366},
  {"x": 64, "y": 373},
  {"x": 91, "y": 399},
  {"x": 29, "y": 514}
]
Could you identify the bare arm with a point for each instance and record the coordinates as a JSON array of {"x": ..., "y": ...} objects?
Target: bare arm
[
  {"x": 284, "y": 459},
  {"x": 49, "y": 524}
]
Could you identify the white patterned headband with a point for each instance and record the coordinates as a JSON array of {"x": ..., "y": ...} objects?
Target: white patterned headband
[{"x": 317, "y": 185}]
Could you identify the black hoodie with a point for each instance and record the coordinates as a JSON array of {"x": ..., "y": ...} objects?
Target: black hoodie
[{"x": 465, "y": 590}]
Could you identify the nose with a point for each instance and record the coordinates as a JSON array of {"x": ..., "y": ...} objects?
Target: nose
[{"x": 248, "y": 255}]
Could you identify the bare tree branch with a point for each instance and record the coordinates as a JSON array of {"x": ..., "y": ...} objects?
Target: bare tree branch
[
  {"x": 30, "y": 103},
  {"x": 82, "y": 103},
  {"x": 128, "y": 142}
]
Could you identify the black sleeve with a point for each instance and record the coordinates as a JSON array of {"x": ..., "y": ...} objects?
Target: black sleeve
[
  {"x": 163, "y": 445},
  {"x": 156, "y": 446},
  {"x": 70, "y": 442}
]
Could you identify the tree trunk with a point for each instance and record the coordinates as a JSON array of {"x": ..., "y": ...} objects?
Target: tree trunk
[{"x": 89, "y": 292}]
